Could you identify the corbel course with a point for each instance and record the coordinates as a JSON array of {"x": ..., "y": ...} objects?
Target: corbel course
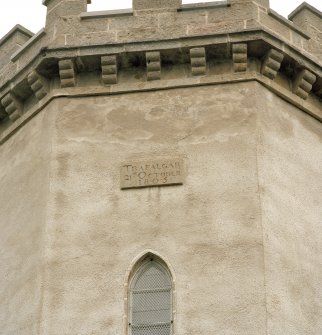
[
  {"x": 153, "y": 65},
  {"x": 38, "y": 84},
  {"x": 198, "y": 61},
  {"x": 272, "y": 63},
  {"x": 12, "y": 106},
  {"x": 109, "y": 69},
  {"x": 303, "y": 84},
  {"x": 239, "y": 52},
  {"x": 67, "y": 73}
]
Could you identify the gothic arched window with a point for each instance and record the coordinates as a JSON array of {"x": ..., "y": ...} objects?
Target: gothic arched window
[{"x": 150, "y": 299}]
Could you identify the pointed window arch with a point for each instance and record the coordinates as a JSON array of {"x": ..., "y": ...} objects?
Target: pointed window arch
[{"x": 150, "y": 298}]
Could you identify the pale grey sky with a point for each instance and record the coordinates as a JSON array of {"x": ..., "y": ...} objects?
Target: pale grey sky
[{"x": 31, "y": 13}]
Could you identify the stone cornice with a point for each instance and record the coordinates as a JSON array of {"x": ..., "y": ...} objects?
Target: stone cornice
[
  {"x": 268, "y": 36},
  {"x": 42, "y": 69}
]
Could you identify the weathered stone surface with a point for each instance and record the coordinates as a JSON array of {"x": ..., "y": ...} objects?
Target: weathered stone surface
[
  {"x": 153, "y": 65},
  {"x": 198, "y": 61},
  {"x": 12, "y": 106},
  {"x": 289, "y": 161},
  {"x": 109, "y": 69},
  {"x": 24, "y": 185},
  {"x": 272, "y": 63},
  {"x": 62, "y": 8},
  {"x": 303, "y": 83},
  {"x": 38, "y": 84},
  {"x": 264, "y": 3},
  {"x": 239, "y": 52},
  {"x": 240, "y": 232},
  {"x": 12, "y": 41},
  {"x": 67, "y": 73},
  {"x": 309, "y": 19},
  {"x": 3, "y": 113},
  {"x": 182, "y": 223},
  {"x": 155, "y": 4}
]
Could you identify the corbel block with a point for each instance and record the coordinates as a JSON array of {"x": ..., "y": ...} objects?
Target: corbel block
[
  {"x": 38, "y": 84},
  {"x": 239, "y": 52},
  {"x": 272, "y": 63},
  {"x": 67, "y": 73},
  {"x": 3, "y": 113},
  {"x": 12, "y": 106},
  {"x": 153, "y": 65},
  {"x": 109, "y": 69},
  {"x": 198, "y": 61},
  {"x": 303, "y": 83}
]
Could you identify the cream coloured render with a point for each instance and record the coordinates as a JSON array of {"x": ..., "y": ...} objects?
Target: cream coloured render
[{"x": 230, "y": 89}]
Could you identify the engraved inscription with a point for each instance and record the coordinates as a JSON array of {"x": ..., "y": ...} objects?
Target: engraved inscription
[{"x": 152, "y": 173}]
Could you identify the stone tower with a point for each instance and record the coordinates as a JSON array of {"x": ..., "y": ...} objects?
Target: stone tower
[{"x": 161, "y": 171}]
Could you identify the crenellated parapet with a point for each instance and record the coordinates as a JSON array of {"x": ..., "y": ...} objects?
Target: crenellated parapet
[
  {"x": 142, "y": 48},
  {"x": 12, "y": 42},
  {"x": 309, "y": 19}
]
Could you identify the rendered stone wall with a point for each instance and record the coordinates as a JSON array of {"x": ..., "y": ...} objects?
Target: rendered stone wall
[
  {"x": 233, "y": 233},
  {"x": 289, "y": 161},
  {"x": 24, "y": 189},
  {"x": 209, "y": 229},
  {"x": 241, "y": 234}
]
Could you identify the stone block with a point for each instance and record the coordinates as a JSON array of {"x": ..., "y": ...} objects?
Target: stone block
[
  {"x": 67, "y": 73},
  {"x": 156, "y": 4},
  {"x": 263, "y": 3},
  {"x": 3, "y": 113},
  {"x": 38, "y": 84},
  {"x": 12, "y": 42},
  {"x": 153, "y": 65},
  {"x": 198, "y": 61},
  {"x": 215, "y": 27},
  {"x": 12, "y": 105},
  {"x": 275, "y": 25},
  {"x": 303, "y": 83},
  {"x": 60, "y": 8},
  {"x": 109, "y": 69},
  {"x": 239, "y": 52},
  {"x": 239, "y": 11},
  {"x": 272, "y": 63},
  {"x": 308, "y": 18}
]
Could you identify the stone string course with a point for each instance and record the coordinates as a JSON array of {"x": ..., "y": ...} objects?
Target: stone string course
[{"x": 148, "y": 38}]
